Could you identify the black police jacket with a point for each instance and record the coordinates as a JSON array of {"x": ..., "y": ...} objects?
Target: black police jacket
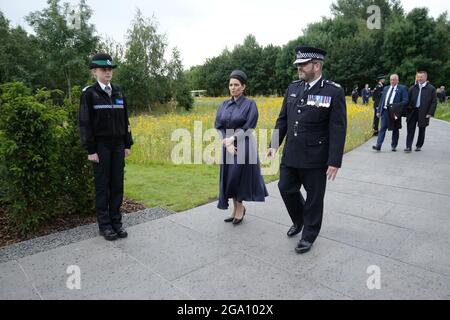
[
  {"x": 102, "y": 117},
  {"x": 314, "y": 124}
]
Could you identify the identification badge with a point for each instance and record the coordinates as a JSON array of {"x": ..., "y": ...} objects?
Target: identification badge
[
  {"x": 119, "y": 101},
  {"x": 319, "y": 101}
]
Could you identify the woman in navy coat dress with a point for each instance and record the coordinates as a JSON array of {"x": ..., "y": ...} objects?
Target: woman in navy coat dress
[{"x": 240, "y": 171}]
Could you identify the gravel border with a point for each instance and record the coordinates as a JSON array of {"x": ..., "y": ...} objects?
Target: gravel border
[{"x": 62, "y": 238}]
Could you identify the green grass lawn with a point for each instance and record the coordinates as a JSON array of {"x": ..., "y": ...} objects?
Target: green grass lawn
[
  {"x": 443, "y": 111},
  {"x": 174, "y": 187}
]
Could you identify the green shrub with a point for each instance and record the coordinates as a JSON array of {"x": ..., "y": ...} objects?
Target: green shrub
[{"x": 43, "y": 169}]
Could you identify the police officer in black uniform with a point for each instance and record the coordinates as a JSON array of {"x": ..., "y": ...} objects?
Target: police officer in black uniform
[
  {"x": 376, "y": 96},
  {"x": 105, "y": 134},
  {"x": 313, "y": 120}
]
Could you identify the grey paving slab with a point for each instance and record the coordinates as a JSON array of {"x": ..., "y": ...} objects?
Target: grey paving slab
[
  {"x": 349, "y": 273},
  {"x": 170, "y": 249},
  {"x": 14, "y": 284},
  {"x": 105, "y": 273},
  {"x": 362, "y": 233},
  {"x": 240, "y": 276}
]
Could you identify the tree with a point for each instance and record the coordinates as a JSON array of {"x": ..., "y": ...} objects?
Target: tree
[
  {"x": 144, "y": 71},
  {"x": 68, "y": 46},
  {"x": 180, "y": 88}
]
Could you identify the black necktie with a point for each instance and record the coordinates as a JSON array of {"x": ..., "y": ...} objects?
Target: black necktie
[
  {"x": 108, "y": 90},
  {"x": 389, "y": 98}
]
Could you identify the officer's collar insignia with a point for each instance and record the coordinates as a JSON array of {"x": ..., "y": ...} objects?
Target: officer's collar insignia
[{"x": 319, "y": 101}]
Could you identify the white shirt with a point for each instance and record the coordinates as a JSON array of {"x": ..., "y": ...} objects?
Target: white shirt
[
  {"x": 311, "y": 84},
  {"x": 386, "y": 102},
  {"x": 103, "y": 86}
]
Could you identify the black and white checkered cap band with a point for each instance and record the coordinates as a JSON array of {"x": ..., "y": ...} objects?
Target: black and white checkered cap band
[{"x": 310, "y": 55}]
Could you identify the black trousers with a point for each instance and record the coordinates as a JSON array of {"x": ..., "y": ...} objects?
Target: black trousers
[
  {"x": 307, "y": 213},
  {"x": 108, "y": 177},
  {"x": 376, "y": 120},
  {"x": 412, "y": 124}
]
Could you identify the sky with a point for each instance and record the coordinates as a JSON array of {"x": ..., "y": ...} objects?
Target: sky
[{"x": 201, "y": 29}]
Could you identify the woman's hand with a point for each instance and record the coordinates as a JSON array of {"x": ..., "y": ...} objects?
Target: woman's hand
[
  {"x": 231, "y": 149},
  {"x": 228, "y": 141},
  {"x": 93, "y": 158}
]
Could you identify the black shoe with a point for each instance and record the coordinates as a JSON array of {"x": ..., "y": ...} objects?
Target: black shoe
[
  {"x": 376, "y": 148},
  {"x": 237, "y": 221},
  {"x": 303, "y": 246},
  {"x": 230, "y": 219},
  {"x": 418, "y": 149},
  {"x": 121, "y": 233},
  {"x": 109, "y": 234},
  {"x": 394, "y": 149},
  {"x": 407, "y": 150},
  {"x": 294, "y": 230}
]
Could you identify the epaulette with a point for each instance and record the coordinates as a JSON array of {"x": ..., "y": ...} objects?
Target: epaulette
[
  {"x": 333, "y": 83},
  {"x": 85, "y": 88}
]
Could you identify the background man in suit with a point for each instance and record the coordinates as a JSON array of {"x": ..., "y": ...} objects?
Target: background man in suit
[
  {"x": 376, "y": 96},
  {"x": 313, "y": 119},
  {"x": 422, "y": 105},
  {"x": 393, "y": 100}
]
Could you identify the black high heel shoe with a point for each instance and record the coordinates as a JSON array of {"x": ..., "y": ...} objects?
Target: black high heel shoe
[
  {"x": 237, "y": 221},
  {"x": 229, "y": 219}
]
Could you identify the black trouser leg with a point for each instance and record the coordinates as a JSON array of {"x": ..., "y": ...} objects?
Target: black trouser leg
[
  {"x": 421, "y": 138},
  {"x": 411, "y": 127},
  {"x": 116, "y": 187},
  {"x": 314, "y": 181},
  {"x": 102, "y": 181},
  {"x": 289, "y": 186},
  {"x": 376, "y": 120}
]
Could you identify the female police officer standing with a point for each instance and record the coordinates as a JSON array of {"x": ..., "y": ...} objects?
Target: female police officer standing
[
  {"x": 105, "y": 134},
  {"x": 240, "y": 172}
]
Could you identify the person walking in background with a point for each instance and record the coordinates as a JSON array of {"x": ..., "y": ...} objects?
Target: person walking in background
[
  {"x": 365, "y": 93},
  {"x": 422, "y": 105},
  {"x": 376, "y": 96},
  {"x": 355, "y": 95},
  {"x": 392, "y": 104}
]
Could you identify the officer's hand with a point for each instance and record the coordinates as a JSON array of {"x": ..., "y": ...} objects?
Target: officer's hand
[
  {"x": 93, "y": 158},
  {"x": 127, "y": 152},
  {"x": 332, "y": 172},
  {"x": 429, "y": 116},
  {"x": 271, "y": 153},
  {"x": 232, "y": 149}
]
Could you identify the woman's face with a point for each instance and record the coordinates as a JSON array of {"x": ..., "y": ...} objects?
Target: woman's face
[
  {"x": 104, "y": 75},
  {"x": 236, "y": 88}
]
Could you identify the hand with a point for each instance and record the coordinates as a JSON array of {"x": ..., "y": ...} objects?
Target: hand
[
  {"x": 271, "y": 153},
  {"x": 228, "y": 141},
  {"x": 378, "y": 114},
  {"x": 332, "y": 172},
  {"x": 127, "y": 152},
  {"x": 93, "y": 158},
  {"x": 231, "y": 149},
  {"x": 429, "y": 116}
]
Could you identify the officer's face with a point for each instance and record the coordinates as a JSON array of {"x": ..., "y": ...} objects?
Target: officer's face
[
  {"x": 236, "y": 88},
  {"x": 306, "y": 71},
  {"x": 104, "y": 75}
]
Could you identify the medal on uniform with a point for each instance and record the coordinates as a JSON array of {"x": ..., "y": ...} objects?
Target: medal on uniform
[{"x": 319, "y": 101}]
